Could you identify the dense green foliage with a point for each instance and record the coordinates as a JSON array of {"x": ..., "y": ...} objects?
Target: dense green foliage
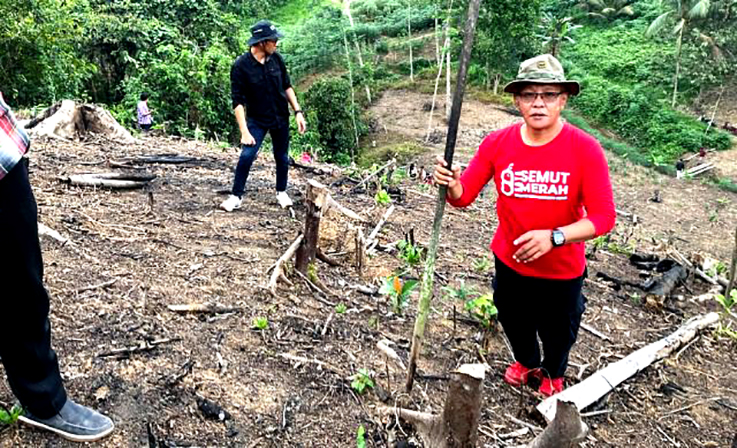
[{"x": 181, "y": 52}]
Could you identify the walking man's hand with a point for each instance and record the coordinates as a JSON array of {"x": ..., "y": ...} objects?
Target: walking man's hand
[
  {"x": 535, "y": 244},
  {"x": 301, "y": 123},
  {"x": 247, "y": 139}
]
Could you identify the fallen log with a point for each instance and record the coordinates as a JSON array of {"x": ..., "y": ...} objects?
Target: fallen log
[
  {"x": 279, "y": 266},
  {"x": 605, "y": 380},
  {"x": 457, "y": 426},
  {"x": 119, "y": 181}
]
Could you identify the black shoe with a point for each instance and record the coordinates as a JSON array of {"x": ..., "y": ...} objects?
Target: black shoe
[{"x": 74, "y": 422}]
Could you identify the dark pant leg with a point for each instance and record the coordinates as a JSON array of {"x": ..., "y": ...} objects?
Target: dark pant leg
[
  {"x": 280, "y": 139},
  {"x": 513, "y": 297},
  {"x": 559, "y": 323},
  {"x": 25, "y": 347},
  {"x": 248, "y": 155}
]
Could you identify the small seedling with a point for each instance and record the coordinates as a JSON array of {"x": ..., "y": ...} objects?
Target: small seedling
[
  {"x": 635, "y": 299},
  {"x": 483, "y": 310},
  {"x": 382, "y": 198},
  {"x": 362, "y": 381},
  {"x": 410, "y": 253},
  {"x": 340, "y": 308},
  {"x": 361, "y": 437},
  {"x": 482, "y": 265},
  {"x": 10, "y": 417},
  {"x": 398, "y": 292},
  {"x": 260, "y": 323},
  {"x": 373, "y": 322},
  {"x": 727, "y": 302}
]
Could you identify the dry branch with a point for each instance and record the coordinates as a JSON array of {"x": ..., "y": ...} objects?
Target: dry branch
[
  {"x": 372, "y": 175},
  {"x": 279, "y": 266},
  {"x": 564, "y": 431},
  {"x": 662, "y": 288},
  {"x": 211, "y": 308},
  {"x": 144, "y": 346},
  {"x": 605, "y": 380},
  {"x": 372, "y": 236},
  {"x": 47, "y": 231}
]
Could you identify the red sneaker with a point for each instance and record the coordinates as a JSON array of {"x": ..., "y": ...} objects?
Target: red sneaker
[
  {"x": 550, "y": 386},
  {"x": 517, "y": 374}
]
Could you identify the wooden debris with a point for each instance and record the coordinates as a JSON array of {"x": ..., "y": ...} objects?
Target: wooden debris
[
  {"x": 372, "y": 175},
  {"x": 320, "y": 364},
  {"x": 315, "y": 198},
  {"x": 374, "y": 233},
  {"x": 595, "y": 332},
  {"x": 662, "y": 288},
  {"x": 212, "y": 410},
  {"x": 389, "y": 352},
  {"x": 605, "y": 380},
  {"x": 209, "y": 308},
  {"x": 97, "y": 286},
  {"x": 279, "y": 272},
  {"x": 51, "y": 233},
  {"x": 360, "y": 245},
  {"x": 733, "y": 269},
  {"x": 119, "y": 181},
  {"x": 457, "y": 426},
  {"x": 700, "y": 169}
]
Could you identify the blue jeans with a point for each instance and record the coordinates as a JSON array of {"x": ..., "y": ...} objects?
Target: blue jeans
[{"x": 280, "y": 140}]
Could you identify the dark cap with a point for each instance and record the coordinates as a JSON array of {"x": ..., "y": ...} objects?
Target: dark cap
[{"x": 263, "y": 30}]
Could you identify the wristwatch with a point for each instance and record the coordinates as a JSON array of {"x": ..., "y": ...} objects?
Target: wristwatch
[
  {"x": 298, "y": 112},
  {"x": 558, "y": 238}
]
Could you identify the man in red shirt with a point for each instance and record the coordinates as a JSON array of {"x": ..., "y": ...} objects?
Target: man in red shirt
[{"x": 553, "y": 193}]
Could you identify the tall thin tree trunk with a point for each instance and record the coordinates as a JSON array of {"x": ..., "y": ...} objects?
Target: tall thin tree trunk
[
  {"x": 353, "y": 92},
  {"x": 448, "y": 96},
  {"x": 358, "y": 46},
  {"x": 437, "y": 43},
  {"x": 437, "y": 82},
  {"x": 678, "y": 66},
  {"x": 426, "y": 291},
  {"x": 409, "y": 40}
]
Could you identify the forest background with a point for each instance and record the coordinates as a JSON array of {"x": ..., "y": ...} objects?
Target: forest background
[{"x": 649, "y": 68}]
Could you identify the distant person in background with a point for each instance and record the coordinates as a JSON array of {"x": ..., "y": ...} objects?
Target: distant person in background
[
  {"x": 680, "y": 168},
  {"x": 553, "y": 193},
  {"x": 145, "y": 120},
  {"x": 30, "y": 362},
  {"x": 262, "y": 92}
]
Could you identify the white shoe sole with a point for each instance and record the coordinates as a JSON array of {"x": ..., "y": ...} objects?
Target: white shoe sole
[{"x": 66, "y": 435}]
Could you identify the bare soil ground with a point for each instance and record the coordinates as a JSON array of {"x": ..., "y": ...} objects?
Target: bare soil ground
[{"x": 169, "y": 244}]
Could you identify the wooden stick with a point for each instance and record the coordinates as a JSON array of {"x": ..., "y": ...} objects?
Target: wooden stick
[
  {"x": 595, "y": 332},
  {"x": 320, "y": 364},
  {"x": 143, "y": 347},
  {"x": 605, "y": 380},
  {"x": 279, "y": 266},
  {"x": 47, "y": 231},
  {"x": 100, "y": 285},
  {"x": 378, "y": 227},
  {"x": 212, "y": 308},
  {"x": 332, "y": 203},
  {"x": 372, "y": 175}
]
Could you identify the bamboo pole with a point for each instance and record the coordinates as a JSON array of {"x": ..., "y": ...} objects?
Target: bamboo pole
[{"x": 450, "y": 142}]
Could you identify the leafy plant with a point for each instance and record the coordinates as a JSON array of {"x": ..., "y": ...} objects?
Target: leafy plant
[
  {"x": 340, "y": 308},
  {"x": 382, "y": 197},
  {"x": 727, "y": 302},
  {"x": 260, "y": 323},
  {"x": 483, "y": 309},
  {"x": 462, "y": 292},
  {"x": 482, "y": 264},
  {"x": 362, "y": 381},
  {"x": 10, "y": 417},
  {"x": 398, "y": 292},
  {"x": 410, "y": 253},
  {"x": 361, "y": 437}
]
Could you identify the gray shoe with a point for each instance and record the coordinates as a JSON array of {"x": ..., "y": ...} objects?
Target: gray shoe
[{"x": 74, "y": 422}]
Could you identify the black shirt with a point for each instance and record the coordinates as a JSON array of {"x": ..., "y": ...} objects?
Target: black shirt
[{"x": 261, "y": 88}]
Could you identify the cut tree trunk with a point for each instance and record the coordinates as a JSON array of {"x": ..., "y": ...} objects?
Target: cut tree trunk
[
  {"x": 564, "y": 431},
  {"x": 605, "y": 380},
  {"x": 69, "y": 120},
  {"x": 457, "y": 426},
  {"x": 316, "y": 199}
]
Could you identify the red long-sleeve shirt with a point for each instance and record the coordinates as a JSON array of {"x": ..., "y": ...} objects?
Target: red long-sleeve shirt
[{"x": 542, "y": 187}]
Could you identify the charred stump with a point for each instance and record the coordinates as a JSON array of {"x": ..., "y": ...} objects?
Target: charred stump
[{"x": 315, "y": 199}]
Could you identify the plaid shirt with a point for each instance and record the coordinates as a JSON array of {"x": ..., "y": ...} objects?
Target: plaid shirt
[{"x": 13, "y": 140}]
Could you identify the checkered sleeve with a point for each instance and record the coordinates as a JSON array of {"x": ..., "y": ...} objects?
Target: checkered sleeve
[{"x": 14, "y": 141}]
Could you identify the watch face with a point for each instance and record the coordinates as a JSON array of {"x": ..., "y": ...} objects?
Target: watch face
[{"x": 558, "y": 237}]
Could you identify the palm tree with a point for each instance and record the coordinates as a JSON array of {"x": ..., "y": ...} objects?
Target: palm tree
[
  {"x": 685, "y": 13},
  {"x": 607, "y": 9},
  {"x": 555, "y": 32}
]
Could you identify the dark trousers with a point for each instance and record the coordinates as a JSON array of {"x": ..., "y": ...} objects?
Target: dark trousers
[
  {"x": 530, "y": 307},
  {"x": 280, "y": 140},
  {"x": 25, "y": 346}
]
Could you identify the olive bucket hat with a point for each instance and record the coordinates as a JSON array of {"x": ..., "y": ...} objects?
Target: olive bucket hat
[
  {"x": 263, "y": 30},
  {"x": 543, "y": 69}
]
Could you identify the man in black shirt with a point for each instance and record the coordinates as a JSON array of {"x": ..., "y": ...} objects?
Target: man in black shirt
[{"x": 260, "y": 90}]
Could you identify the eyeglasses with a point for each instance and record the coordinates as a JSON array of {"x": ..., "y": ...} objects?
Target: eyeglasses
[{"x": 548, "y": 97}]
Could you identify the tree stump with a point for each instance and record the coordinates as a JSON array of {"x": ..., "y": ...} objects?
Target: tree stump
[
  {"x": 316, "y": 199},
  {"x": 69, "y": 120}
]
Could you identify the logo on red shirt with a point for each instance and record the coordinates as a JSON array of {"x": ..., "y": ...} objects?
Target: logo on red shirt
[{"x": 535, "y": 184}]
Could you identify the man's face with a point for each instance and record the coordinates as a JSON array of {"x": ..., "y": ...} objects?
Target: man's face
[
  {"x": 270, "y": 46},
  {"x": 541, "y": 104}
]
